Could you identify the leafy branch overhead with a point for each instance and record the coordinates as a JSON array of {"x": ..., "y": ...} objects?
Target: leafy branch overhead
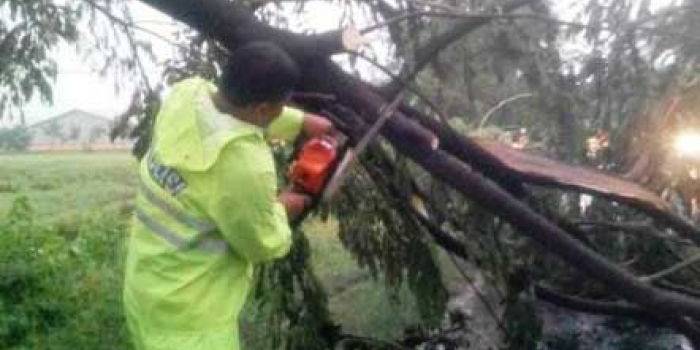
[{"x": 30, "y": 31}]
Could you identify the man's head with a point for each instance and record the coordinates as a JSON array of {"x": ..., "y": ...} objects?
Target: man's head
[{"x": 259, "y": 78}]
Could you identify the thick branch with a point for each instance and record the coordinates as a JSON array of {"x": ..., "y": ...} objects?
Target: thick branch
[
  {"x": 232, "y": 24},
  {"x": 406, "y": 85},
  {"x": 495, "y": 199},
  {"x": 554, "y": 239},
  {"x": 128, "y": 25},
  {"x": 593, "y": 306},
  {"x": 677, "y": 288},
  {"x": 681, "y": 325},
  {"x": 468, "y": 151},
  {"x": 510, "y": 167},
  {"x": 399, "y": 197}
]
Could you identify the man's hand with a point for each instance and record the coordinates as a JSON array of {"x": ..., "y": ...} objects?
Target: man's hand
[
  {"x": 294, "y": 202},
  {"x": 315, "y": 125}
]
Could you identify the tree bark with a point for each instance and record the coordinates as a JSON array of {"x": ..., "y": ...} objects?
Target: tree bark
[{"x": 232, "y": 24}]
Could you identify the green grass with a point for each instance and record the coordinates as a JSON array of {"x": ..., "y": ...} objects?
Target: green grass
[
  {"x": 364, "y": 306},
  {"x": 67, "y": 186},
  {"x": 71, "y": 298},
  {"x": 62, "y": 249}
]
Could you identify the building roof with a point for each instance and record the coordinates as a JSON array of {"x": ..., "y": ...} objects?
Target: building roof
[{"x": 67, "y": 114}]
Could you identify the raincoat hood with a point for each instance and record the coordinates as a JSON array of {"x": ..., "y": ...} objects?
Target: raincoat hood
[{"x": 189, "y": 135}]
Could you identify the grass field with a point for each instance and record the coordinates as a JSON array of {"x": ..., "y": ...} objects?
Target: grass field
[
  {"x": 67, "y": 185},
  {"x": 76, "y": 197}
]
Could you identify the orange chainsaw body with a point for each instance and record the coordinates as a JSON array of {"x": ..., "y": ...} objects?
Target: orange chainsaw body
[{"x": 313, "y": 164}]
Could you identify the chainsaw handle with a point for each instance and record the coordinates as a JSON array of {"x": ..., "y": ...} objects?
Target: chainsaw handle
[
  {"x": 295, "y": 203},
  {"x": 315, "y": 125}
]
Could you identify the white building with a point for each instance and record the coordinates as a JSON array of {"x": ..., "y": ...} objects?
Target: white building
[{"x": 74, "y": 130}]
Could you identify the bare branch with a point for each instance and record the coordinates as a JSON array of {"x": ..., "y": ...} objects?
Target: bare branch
[
  {"x": 642, "y": 228},
  {"x": 425, "y": 54},
  {"x": 468, "y": 16},
  {"x": 405, "y": 84},
  {"x": 593, "y": 306},
  {"x": 134, "y": 50},
  {"x": 671, "y": 270},
  {"x": 232, "y": 23},
  {"x": 386, "y": 112},
  {"x": 677, "y": 288},
  {"x": 500, "y": 105},
  {"x": 452, "y": 13},
  {"x": 129, "y": 24}
]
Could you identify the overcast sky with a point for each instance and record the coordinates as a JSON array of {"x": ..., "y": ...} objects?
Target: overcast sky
[{"x": 79, "y": 86}]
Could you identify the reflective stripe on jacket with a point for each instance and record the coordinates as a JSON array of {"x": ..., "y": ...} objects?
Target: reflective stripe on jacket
[{"x": 205, "y": 213}]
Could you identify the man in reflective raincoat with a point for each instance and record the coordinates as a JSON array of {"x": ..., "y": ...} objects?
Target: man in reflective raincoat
[{"x": 208, "y": 207}]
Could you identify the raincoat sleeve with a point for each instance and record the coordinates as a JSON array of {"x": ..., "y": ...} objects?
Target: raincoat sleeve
[
  {"x": 244, "y": 204},
  {"x": 287, "y": 126}
]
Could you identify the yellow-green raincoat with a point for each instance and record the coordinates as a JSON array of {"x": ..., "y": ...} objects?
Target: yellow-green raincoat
[{"x": 206, "y": 212}]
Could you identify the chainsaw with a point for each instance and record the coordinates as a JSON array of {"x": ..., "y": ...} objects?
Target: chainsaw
[
  {"x": 313, "y": 165},
  {"x": 317, "y": 169}
]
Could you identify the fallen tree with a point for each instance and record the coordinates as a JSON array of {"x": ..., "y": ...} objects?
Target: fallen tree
[{"x": 488, "y": 174}]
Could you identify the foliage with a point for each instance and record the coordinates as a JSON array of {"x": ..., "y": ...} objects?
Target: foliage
[
  {"x": 57, "y": 290},
  {"x": 14, "y": 139},
  {"x": 523, "y": 327},
  {"x": 29, "y": 30},
  {"x": 291, "y": 295},
  {"x": 610, "y": 87},
  {"x": 144, "y": 108},
  {"x": 390, "y": 244}
]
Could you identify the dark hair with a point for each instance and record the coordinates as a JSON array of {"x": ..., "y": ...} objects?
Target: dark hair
[{"x": 258, "y": 72}]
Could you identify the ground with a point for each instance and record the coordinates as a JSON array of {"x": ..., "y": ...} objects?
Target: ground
[{"x": 67, "y": 289}]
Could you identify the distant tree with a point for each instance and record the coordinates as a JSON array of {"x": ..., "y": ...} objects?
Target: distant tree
[{"x": 15, "y": 139}]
